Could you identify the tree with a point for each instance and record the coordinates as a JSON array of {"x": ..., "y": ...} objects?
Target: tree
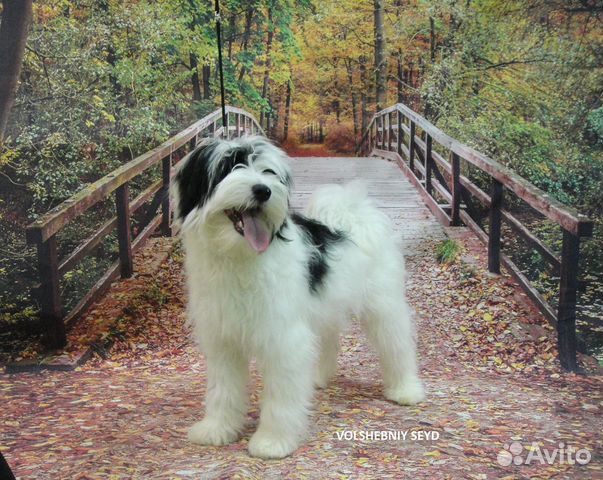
[
  {"x": 380, "y": 58},
  {"x": 16, "y": 17}
]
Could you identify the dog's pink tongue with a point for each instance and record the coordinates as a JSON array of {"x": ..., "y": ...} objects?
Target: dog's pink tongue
[{"x": 256, "y": 233}]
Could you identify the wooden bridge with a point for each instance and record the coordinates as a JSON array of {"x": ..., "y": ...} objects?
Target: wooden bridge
[
  {"x": 431, "y": 161},
  {"x": 488, "y": 382}
]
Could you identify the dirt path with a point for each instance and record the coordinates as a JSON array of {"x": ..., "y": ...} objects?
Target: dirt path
[{"x": 486, "y": 357}]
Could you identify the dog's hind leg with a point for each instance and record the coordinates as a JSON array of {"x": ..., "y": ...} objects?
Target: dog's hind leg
[
  {"x": 388, "y": 324},
  {"x": 287, "y": 371},
  {"x": 225, "y": 398},
  {"x": 327, "y": 363}
]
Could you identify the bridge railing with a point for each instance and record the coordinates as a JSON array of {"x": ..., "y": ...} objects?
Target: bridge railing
[
  {"x": 43, "y": 232},
  {"x": 402, "y": 135}
]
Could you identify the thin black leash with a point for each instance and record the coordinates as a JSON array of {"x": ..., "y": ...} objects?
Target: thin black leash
[{"x": 220, "y": 66}]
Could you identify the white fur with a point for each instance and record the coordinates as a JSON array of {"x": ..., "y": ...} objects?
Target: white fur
[{"x": 244, "y": 305}]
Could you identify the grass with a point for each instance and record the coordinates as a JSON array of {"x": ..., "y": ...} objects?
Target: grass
[{"x": 448, "y": 251}]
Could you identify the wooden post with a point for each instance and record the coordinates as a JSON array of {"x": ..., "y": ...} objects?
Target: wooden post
[
  {"x": 166, "y": 174},
  {"x": 238, "y": 124},
  {"x": 411, "y": 146},
  {"x": 51, "y": 309},
  {"x": 455, "y": 161},
  {"x": 227, "y": 127},
  {"x": 428, "y": 163},
  {"x": 390, "y": 130},
  {"x": 400, "y": 135},
  {"x": 496, "y": 196},
  {"x": 124, "y": 235},
  {"x": 566, "y": 314}
]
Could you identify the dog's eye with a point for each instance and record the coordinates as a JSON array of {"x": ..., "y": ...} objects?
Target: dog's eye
[
  {"x": 237, "y": 166},
  {"x": 270, "y": 171}
]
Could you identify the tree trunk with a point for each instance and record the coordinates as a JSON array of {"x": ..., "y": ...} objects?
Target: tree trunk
[
  {"x": 432, "y": 39},
  {"x": 364, "y": 101},
  {"x": 265, "y": 86},
  {"x": 16, "y": 18},
  {"x": 232, "y": 25},
  {"x": 400, "y": 68},
  {"x": 245, "y": 42},
  {"x": 287, "y": 111},
  {"x": 380, "y": 59},
  {"x": 206, "y": 74},
  {"x": 400, "y": 75},
  {"x": 195, "y": 78},
  {"x": 337, "y": 104},
  {"x": 348, "y": 67}
]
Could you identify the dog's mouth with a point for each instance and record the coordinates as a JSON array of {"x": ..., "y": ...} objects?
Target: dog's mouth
[{"x": 249, "y": 225}]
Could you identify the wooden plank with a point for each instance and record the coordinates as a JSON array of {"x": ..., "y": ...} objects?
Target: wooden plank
[
  {"x": 144, "y": 196},
  {"x": 566, "y": 314},
  {"x": 124, "y": 234},
  {"x": 55, "y": 219},
  {"x": 97, "y": 290},
  {"x": 496, "y": 196},
  {"x": 532, "y": 240},
  {"x": 102, "y": 285},
  {"x": 399, "y": 134},
  {"x": 412, "y": 146},
  {"x": 429, "y": 201},
  {"x": 455, "y": 188},
  {"x": 428, "y": 164},
  {"x": 389, "y": 130},
  {"x": 445, "y": 194},
  {"x": 515, "y": 224},
  {"x": 568, "y": 217},
  {"x": 87, "y": 246},
  {"x": 51, "y": 309},
  {"x": 166, "y": 176},
  {"x": 515, "y": 272}
]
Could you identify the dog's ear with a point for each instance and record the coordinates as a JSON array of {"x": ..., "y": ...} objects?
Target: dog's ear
[{"x": 192, "y": 181}]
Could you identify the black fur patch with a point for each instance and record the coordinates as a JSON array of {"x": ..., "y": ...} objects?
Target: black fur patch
[
  {"x": 322, "y": 238},
  {"x": 194, "y": 178}
]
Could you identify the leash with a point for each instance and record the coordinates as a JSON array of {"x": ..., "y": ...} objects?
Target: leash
[{"x": 220, "y": 66}]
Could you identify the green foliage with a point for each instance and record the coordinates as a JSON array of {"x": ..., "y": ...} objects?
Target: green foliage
[
  {"x": 103, "y": 82},
  {"x": 448, "y": 251}
]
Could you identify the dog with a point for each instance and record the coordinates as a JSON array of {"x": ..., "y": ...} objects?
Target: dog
[{"x": 266, "y": 283}]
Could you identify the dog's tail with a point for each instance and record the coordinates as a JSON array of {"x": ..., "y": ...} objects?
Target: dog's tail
[{"x": 348, "y": 209}]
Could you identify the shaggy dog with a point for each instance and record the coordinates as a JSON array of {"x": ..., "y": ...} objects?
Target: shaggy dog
[{"x": 273, "y": 285}]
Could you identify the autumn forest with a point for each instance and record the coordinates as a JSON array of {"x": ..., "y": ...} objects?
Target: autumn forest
[{"x": 100, "y": 82}]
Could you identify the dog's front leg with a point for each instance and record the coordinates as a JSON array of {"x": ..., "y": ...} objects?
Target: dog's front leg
[
  {"x": 288, "y": 371},
  {"x": 225, "y": 399}
]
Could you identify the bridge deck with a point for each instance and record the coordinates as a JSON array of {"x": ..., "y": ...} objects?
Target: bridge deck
[
  {"x": 392, "y": 191},
  {"x": 488, "y": 384}
]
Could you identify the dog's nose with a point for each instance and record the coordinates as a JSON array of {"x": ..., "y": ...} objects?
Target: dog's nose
[{"x": 261, "y": 192}]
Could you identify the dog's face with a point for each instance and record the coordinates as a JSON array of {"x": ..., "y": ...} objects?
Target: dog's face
[{"x": 236, "y": 191}]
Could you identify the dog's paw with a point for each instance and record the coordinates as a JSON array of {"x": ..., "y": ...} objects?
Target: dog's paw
[
  {"x": 267, "y": 446},
  {"x": 321, "y": 380},
  {"x": 408, "y": 393},
  {"x": 211, "y": 432}
]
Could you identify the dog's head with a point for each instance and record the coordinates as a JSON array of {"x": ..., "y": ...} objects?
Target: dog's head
[{"x": 237, "y": 191}]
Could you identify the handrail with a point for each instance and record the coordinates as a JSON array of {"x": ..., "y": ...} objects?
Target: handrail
[
  {"x": 409, "y": 140},
  {"x": 567, "y": 217},
  {"x": 43, "y": 231},
  {"x": 48, "y": 224}
]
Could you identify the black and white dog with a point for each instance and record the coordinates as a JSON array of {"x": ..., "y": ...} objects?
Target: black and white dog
[{"x": 276, "y": 286}]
